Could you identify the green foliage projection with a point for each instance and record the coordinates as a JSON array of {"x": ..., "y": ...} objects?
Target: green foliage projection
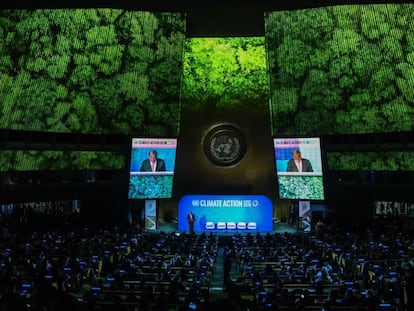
[
  {"x": 31, "y": 160},
  {"x": 301, "y": 187},
  {"x": 149, "y": 187},
  {"x": 342, "y": 69},
  {"x": 224, "y": 72},
  {"x": 90, "y": 71},
  {"x": 371, "y": 161}
]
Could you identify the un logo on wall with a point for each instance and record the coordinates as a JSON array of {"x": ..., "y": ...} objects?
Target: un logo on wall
[{"x": 224, "y": 145}]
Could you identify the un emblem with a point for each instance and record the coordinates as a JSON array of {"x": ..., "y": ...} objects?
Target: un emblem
[{"x": 224, "y": 145}]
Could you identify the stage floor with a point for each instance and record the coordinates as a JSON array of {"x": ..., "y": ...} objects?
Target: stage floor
[{"x": 278, "y": 227}]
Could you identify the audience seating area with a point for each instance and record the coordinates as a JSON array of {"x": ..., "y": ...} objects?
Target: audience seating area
[
  {"x": 337, "y": 269},
  {"x": 81, "y": 268},
  {"x": 50, "y": 261}
]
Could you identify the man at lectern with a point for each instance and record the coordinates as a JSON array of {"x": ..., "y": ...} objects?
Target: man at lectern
[
  {"x": 153, "y": 163},
  {"x": 191, "y": 220},
  {"x": 299, "y": 164}
]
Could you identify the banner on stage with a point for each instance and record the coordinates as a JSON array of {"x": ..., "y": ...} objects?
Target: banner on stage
[
  {"x": 151, "y": 214},
  {"x": 305, "y": 216},
  {"x": 226, "y": 213}
]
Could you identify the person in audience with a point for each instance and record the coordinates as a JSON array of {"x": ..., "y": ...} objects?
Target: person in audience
[
  {"x": 370, "y": 300},
  {"x": 226, "y": 268},
  {"x": 319, "y": 227},
  {"x": 322, "y": 276},
  {"x": 293, "y": 211},
  {"x": 65, "y": 260},
  {"x": 409, "y": 287},
  {"x": 131, "y": 298},
  {"x": 349, "y": 299}
]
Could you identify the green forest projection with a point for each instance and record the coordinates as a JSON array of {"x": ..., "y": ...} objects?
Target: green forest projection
[
  {"x": 31, "y": 160},
  {"x": 331, "y": 70},
  {"x": 89, "y": 71},
  {"x": 371, "y": 161},
  {"x": 342, "y": 69},
  {"x": 224, "y": 72}
]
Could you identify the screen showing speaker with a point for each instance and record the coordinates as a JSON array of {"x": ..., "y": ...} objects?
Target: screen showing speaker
[
  {"x": 299, "y": 168},
  {"x": 151, "y": 169}
]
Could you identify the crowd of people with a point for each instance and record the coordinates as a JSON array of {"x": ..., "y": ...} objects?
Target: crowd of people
[
  {"x": 50, "y": 261},
  {"x": 369, "y": 267},
  {"x": 65, "y": 265}
]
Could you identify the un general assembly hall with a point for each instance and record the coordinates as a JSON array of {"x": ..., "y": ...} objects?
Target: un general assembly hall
[{"x": 206, "y": 155}]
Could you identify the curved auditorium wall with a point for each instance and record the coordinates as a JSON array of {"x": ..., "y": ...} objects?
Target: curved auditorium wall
[
  {"x": 345, "y": 69},
  {"x": 89, "y": 71},
  {"x": 341, "y": 69}
]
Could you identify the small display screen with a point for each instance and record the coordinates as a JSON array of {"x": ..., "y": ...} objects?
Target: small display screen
[
  {"x": 151, "y": 169},
  {"x": 299, "y": 168}
]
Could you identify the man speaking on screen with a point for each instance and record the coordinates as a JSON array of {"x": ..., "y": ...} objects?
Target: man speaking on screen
[
  {"x": 299, "y": 164},
  {"x": 153, "y": 163}
]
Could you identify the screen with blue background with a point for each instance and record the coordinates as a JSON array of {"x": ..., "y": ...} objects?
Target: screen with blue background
[
  {"x": 299, "y": 185},
  {"x": 140, "y": 154},
  {"x": 215, "y": 213},
  {"x": 152, "y": 185},
  {"x": 309, "y": 148}
]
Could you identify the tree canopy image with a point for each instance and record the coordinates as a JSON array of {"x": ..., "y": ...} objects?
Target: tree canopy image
[
  {"x": 225, "y": 72},
  {"x": 371, "y": 161},
  {"x": 33, "y": 160},
  {"x": 89, "y": 71},
  {"x": 342, "y": 69}
]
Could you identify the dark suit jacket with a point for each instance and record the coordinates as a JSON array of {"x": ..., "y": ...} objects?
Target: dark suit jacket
[
  {"x": 146, "y": 166},
  {"x": 306, "y": 166}
]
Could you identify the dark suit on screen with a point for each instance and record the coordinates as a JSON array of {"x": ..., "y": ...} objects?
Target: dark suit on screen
[
  {"x": 146, "y": 166},
  {"x": 306, "y": 166}
]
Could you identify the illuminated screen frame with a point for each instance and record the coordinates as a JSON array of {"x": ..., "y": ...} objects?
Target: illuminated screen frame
[
  {"x": 308, "y": 185},
  {"x": 145, "y": 184},
  {"x": 226, "y": 213}
]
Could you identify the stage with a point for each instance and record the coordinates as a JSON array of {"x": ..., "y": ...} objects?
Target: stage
[{"x": 278, "y": 227}]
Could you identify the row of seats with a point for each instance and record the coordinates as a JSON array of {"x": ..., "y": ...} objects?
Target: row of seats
[
  {"x": 368, "y": 268},
  {"x": 77, "y": 267}
]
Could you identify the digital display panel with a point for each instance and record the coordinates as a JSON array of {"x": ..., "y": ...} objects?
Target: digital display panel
[
  {"x": 299, "y": 168},
  {"x": 343, "y": 78},
  {"x": 152, "y": 167},
  {"x": 88, "y": 71},
  {"x": 226, "y": 213}
]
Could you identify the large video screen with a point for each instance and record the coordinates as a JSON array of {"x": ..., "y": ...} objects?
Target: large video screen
[
  {"x": 88, "y": 70},
  {"x": 91, "y": 70},
  {"x": 152, "y": 166},
  {"x": 341, "y": 69},
  {"x": 299, "y": 168},
  {"x": 226, "y": 213},
  {"x": 227, "y": 72}
]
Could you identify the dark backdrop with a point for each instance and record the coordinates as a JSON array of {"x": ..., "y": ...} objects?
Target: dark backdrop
[{"x": 253, "y": 174}]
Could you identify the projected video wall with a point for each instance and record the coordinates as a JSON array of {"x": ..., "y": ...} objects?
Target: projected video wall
[
  {"x": 152, "y": 167},
  {"x": 225, "y": 72},
  {"x": 299, "y": 168},
  {"x": 341, "y": 69},
  {"x": 226, "y": 213},
  {"x": 89, "y": 71}
]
